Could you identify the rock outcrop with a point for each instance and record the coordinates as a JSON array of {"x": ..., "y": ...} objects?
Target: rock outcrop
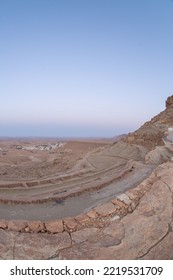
[
  {"x": 150, "y": 134},
  {"x": 169, "y": 102}
]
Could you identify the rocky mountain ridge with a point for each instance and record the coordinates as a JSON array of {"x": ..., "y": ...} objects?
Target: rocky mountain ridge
[{"x": 150, "y": 134}]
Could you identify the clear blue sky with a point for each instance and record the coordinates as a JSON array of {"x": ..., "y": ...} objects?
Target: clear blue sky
[{"x": 83, "y": 67}]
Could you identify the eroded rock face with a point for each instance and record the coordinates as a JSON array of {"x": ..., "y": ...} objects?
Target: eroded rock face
[
  {"x": 169, "y": 102},
  {"x": 151, "y": 133}
]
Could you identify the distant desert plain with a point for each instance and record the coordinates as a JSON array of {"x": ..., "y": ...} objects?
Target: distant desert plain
[{"x": 89, "y": 198}]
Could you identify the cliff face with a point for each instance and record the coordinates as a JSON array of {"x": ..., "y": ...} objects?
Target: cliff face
[{"x": 151, "y": 133}]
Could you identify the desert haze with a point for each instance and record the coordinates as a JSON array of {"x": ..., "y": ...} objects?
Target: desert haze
[{"x": 90, "y": 198}]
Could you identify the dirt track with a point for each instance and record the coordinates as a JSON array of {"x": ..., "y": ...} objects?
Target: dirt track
[{"x": 73, "y": 206}]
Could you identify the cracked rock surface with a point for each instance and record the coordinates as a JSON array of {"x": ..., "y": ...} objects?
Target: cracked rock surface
[{"x": 146, "y": 233}]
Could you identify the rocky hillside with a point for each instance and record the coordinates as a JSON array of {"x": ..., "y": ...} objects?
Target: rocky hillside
[{"x": 151, "y": 133}]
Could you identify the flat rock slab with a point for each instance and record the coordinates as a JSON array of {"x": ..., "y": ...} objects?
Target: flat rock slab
[
  {"x": 31, "y": 245},
  {"x": 46, "y": 246},
  {"x": 136, "y": 236},
  {"x": 163, "y": 250},
  {"x": 7, "y": 243}
]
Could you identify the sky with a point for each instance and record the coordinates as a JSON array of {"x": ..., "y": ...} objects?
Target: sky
[{"x": 83, "y": 68}]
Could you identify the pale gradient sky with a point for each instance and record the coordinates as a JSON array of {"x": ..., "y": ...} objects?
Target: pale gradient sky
[{"x": 83, "y": 68}]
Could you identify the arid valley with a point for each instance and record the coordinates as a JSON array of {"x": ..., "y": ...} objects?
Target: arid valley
[{"x": 89, "y": 198}]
